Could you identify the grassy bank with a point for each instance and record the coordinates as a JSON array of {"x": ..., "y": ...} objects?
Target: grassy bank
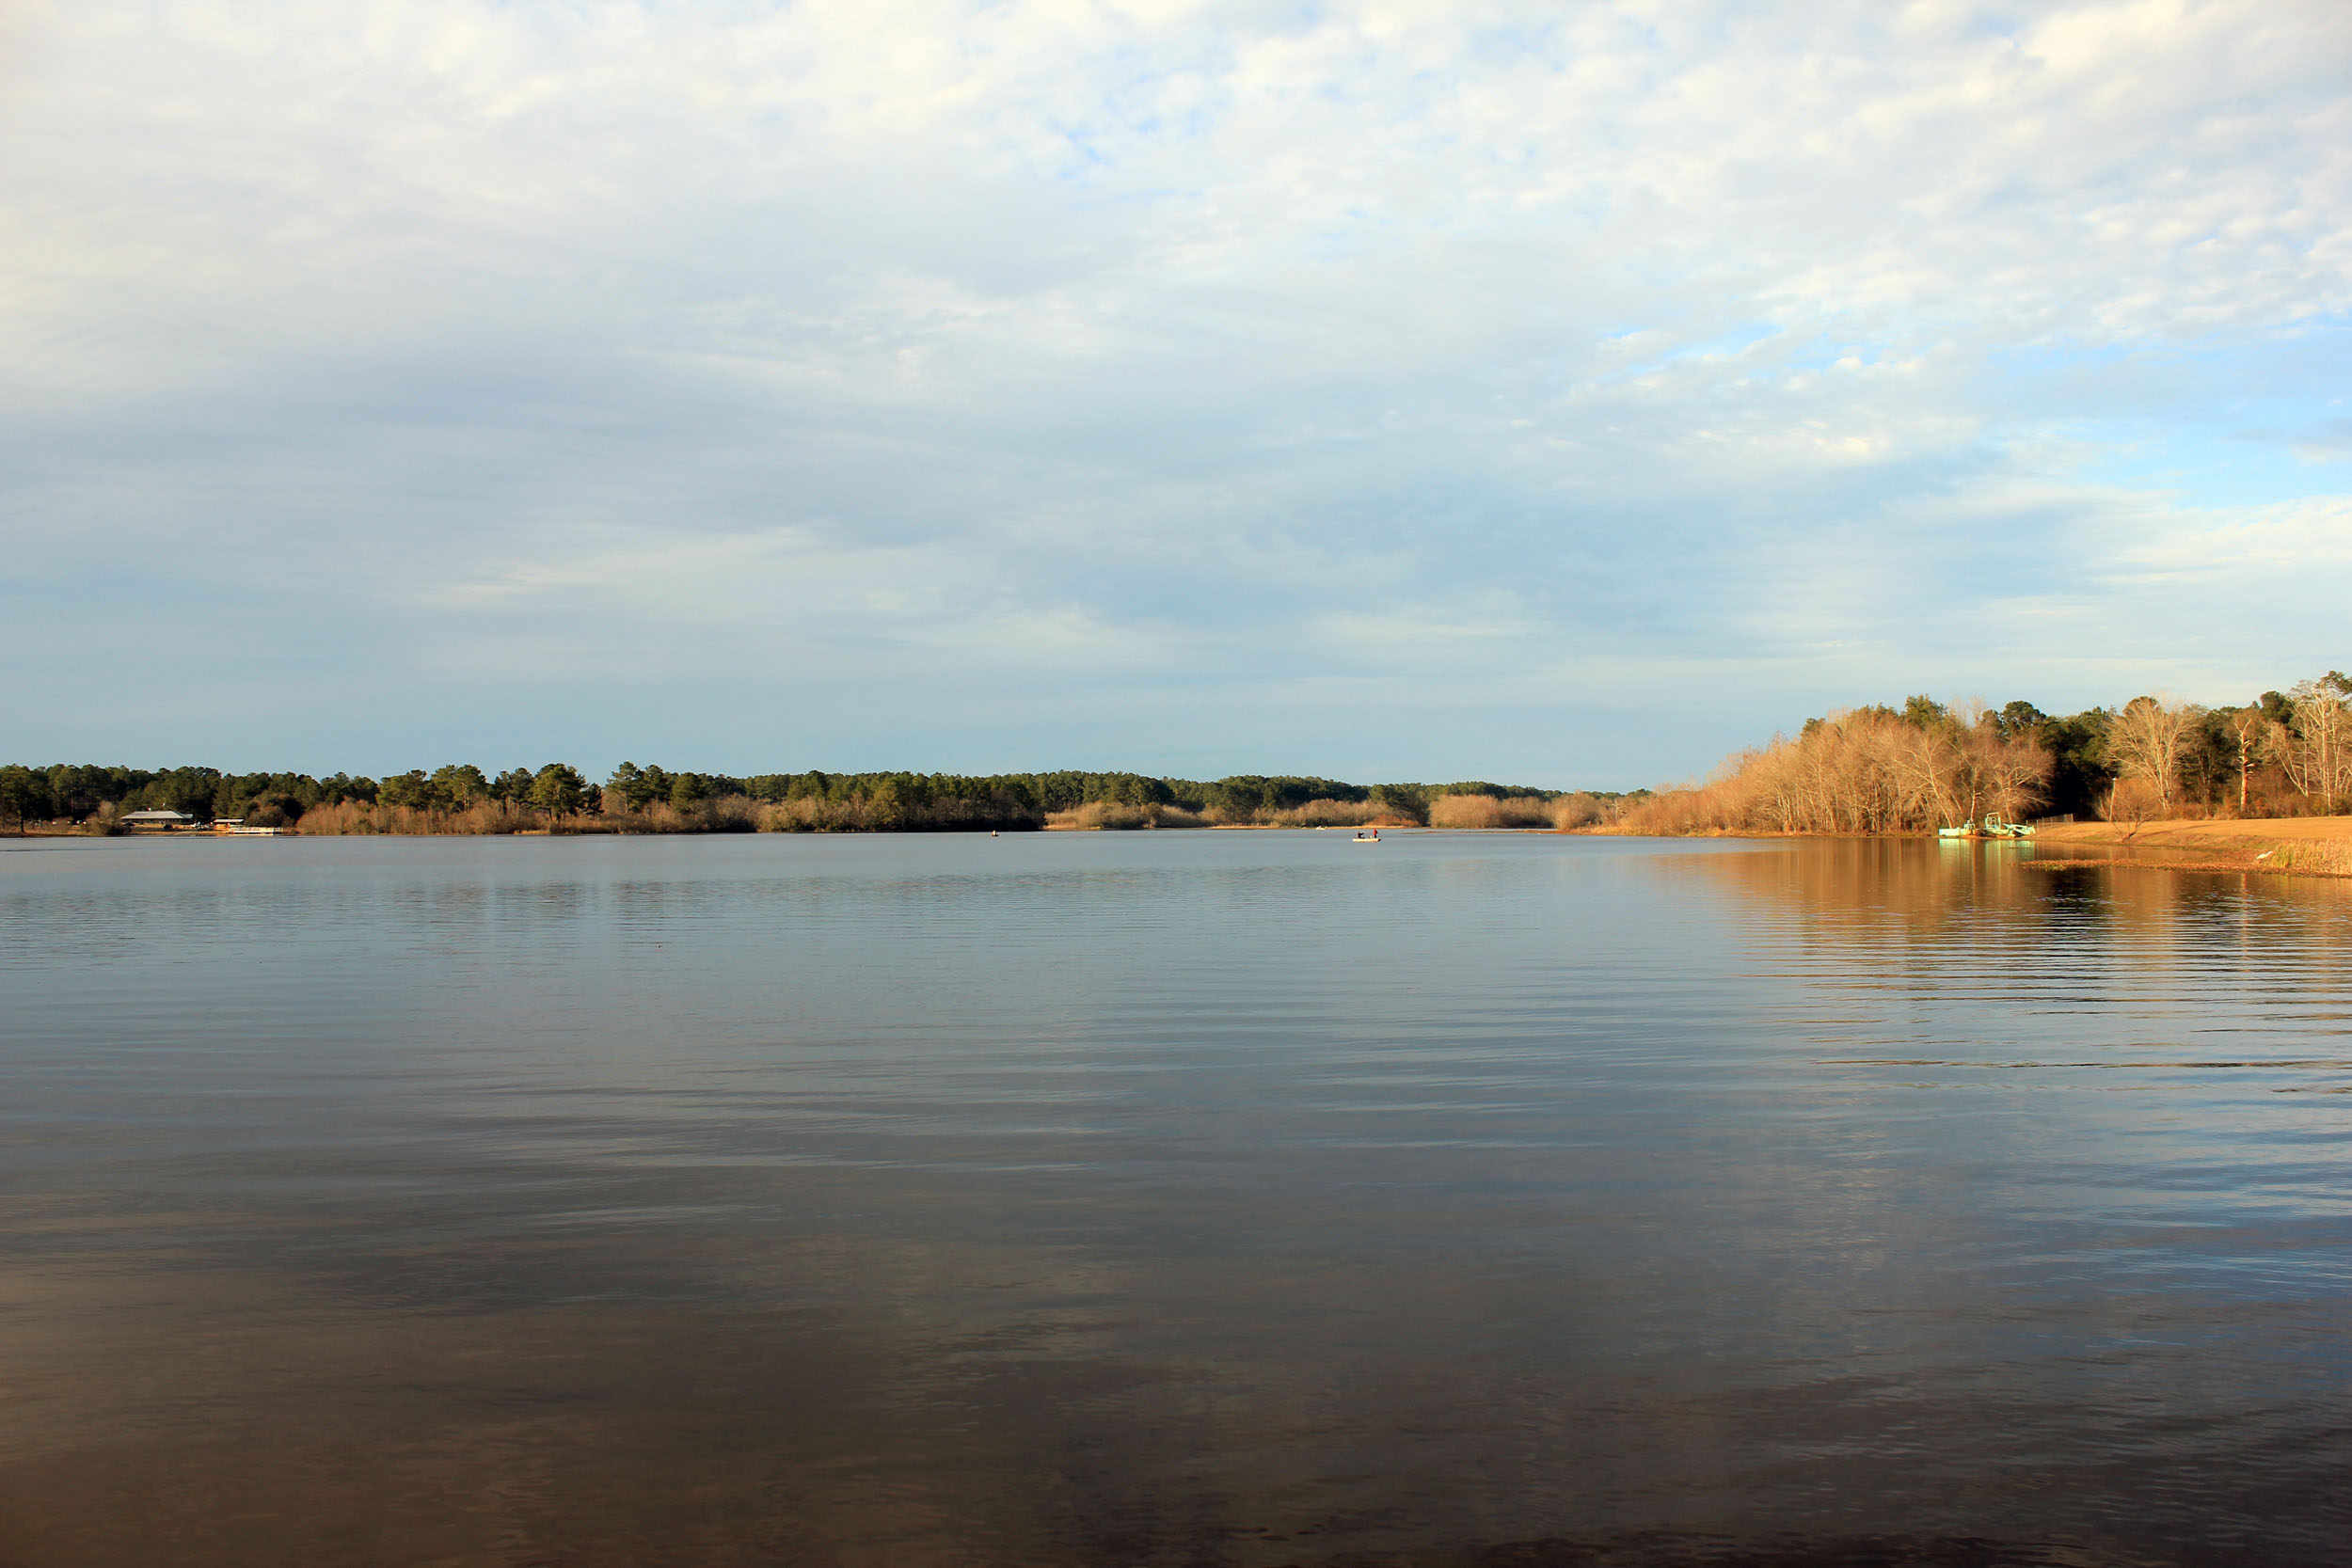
[{"x": 2303, "y": 846}]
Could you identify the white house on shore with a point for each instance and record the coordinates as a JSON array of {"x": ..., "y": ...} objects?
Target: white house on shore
[{"x": 157, "y": 821}]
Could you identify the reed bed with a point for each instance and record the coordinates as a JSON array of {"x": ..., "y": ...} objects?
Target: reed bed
[
  {"x": 1564, "y": 814},
  {"x": 483, "y": 819},
  {"x": 1579, "y": 810},
  {"x": 887, "y": 813},
  {"x": 2320, "y": 856},
  {"x": 1105, "y": 816},
  {"x": 1491, "y": 812},
  {"x": 1337, "y": 813}
]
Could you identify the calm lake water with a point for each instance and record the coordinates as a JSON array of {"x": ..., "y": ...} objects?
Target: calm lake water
[{"x": 1238, "y": 1199}]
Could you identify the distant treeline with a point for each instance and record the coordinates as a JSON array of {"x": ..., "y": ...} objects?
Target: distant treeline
[
  {"x": 1923, "y": 764},
  {"x": 463, "y": 798}
]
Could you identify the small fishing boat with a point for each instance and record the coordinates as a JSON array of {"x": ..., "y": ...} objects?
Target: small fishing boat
[
  {"x": 1992, "y": 827},
  {"x": 1363, "y": 837}
]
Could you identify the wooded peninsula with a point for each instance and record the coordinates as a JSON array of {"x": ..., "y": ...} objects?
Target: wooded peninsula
[{"x": 1923, "y": 765}]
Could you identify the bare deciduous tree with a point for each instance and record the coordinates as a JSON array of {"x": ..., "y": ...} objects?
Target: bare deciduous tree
[
  {"x": 2011, "y": 772},
  {"x": 2249, "y": 727},
  {"x": 2315, "y": 745},
  {"x": 1865, "y": 771},
  {"x": 2145, "y": 741}
]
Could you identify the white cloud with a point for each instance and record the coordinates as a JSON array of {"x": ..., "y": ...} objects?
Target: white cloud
[{"x": 1063, "y": 340}]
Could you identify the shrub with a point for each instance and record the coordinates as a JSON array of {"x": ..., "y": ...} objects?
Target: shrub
[
  {"x": 1100, "y": 815},
  {"x": 1487, "y": 810}
]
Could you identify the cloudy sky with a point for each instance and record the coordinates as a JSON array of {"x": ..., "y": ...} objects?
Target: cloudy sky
[{"x": 1565, "y": 393}]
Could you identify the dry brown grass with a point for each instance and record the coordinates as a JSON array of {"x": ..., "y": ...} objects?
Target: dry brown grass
[
  {"x": 1097, "y": 816},
  {"x": 726, "y": 814},
  {"x": 2320, "y": 856},
  {"x": 1727, "y": 807},
  {"x": 810, "y": 815},
  {"x": 655, "y": 817},
  {"x": 356, "y": 817},
  {"x": 885, "y": 811},
  {"x": 1333, "y": 814},
  {"x": 730, "y": 814},
  {"x": 2308, "y": 846},
  {"x": 1486, "y": 811},
  {"x": 2205, "y": 831},
  {"x": 1571, "y": 812}
]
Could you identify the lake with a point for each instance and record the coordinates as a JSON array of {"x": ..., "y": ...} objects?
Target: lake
[{"x": 1242, "y": 1199}]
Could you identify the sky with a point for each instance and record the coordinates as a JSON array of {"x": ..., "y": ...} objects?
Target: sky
[{"x": 1564, "y": 394}]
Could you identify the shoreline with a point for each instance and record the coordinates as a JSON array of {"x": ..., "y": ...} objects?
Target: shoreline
[
  {"x": 2277, "y": 845},
  {"x": 2296, "y": 846},
  {"x": 590, "y": 828}
]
